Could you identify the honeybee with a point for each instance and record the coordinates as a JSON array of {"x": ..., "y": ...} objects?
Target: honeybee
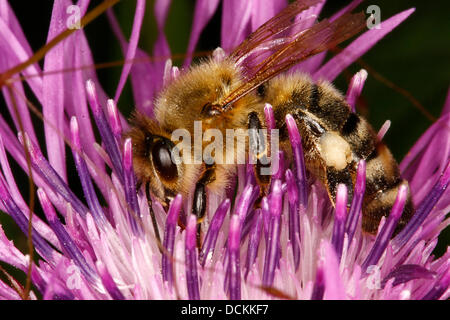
[{"x": 230, "y": 93}]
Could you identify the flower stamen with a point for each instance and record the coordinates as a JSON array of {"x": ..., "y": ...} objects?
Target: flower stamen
[{"x": 191, "y": 258}]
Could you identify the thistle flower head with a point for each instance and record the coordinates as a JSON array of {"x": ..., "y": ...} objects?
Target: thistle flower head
[{"x": 103, "y": 243}]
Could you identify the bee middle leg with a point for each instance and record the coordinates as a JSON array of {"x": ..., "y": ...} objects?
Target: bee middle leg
[
  {"x": 335, "y": 177},
  {"x": 258, "y": 150}
]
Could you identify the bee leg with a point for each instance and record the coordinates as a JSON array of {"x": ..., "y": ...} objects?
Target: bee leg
[
  {"x": 199, "y": 201},
  {"x": 258, "y": 149},
  {"x": 199, "y": 207},
  {"x": 335, "y": 177},
  {"x": 152, "y": 215}
]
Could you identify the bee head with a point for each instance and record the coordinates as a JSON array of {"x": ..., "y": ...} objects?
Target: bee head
[{"x": 154, "y": 163}]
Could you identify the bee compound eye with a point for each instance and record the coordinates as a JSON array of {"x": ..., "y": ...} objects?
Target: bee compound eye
[{"x": 162, "y": 161}]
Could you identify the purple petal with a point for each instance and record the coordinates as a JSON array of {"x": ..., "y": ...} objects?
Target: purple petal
[
  {"x": 270, "y": 116},
  {"x": 16, "y": 150},
  {"x": 279, "y": 157},
  {"x": 108, "y": 282},
  {"x": 248, "y": 223},
  {"x": 264, "y": 10},
  {"x": 10, "y": 254},
  {"x": 169, "y": 239},
  {"x": 352, "y": 5},
  {"x": 175, "y": 73},
  {"x": 243, "y": 205},
  {"x": 191, "y": 258},
  {"x": 358, "y": 196},
  {"x": 294, "y": 217},
  {"x": 234, "y": 269},
  {"x": 76, "y": 103},
  {"x": 114, "y": 120},
  {"x": 337, "y": 239},
  {"x": 250, "y": 178},
  {"x": 423, "y": 210},
  {"x": 428, "y": 157},
  {"x": 407, "y": 272},
  {"x": 131, "y": 50},
  {"x": 161, "y": 49},
  {"x": 104, "y": 129},
  {"x": 56, "y": 290},
  {"x": 11, "y": 47},
  {"x": 77, "y": 56},
  {"x": 272, "y": 251},
  {"x": 253, "y": 242},
  {"x": 83, "y": 4},
  {"x": 51, "y": 177},
  {"x": 44, "y": 249},
  {"x": 14, "y": 191},
  {"x": 312, "y": 64},
  {"x": 134, "y": 214},
  {"x": 309, "y": 17},
  {"x": 167, "y": 75},
  {"x": 85, "y": 178},
  {"x": 65, "y": 239},
  {"x": 355, "y": 88},
  {"x": 319, "y": 283},
  {"x": 9, "y": 18},
  {"x": 210, "y": 240},
  {"x": 161, "y": 11},
  {"x": 236, "y": 16},
  {"x": 387, "y": 230},
  {"x": 440, "y": 287},
  {"x": 359, "y": 46},
  {"x": 142, "y": 71},
  {"x": 383, "y": 130},
  {"x": 299, "y": 161},
  {"x": 219, "y": 54},
  {"x": 265, "y": 211},
  {"x": 53, "y": 92},
  {"x": 204, "y": 10},
  {"x": 18, "y": 103},
  {"x": 334, "y": 288},
  {"x": 8, "y": 293}
]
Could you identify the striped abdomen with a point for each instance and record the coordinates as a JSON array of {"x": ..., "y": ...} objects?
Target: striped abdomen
[{"x": 334, "y": 140}]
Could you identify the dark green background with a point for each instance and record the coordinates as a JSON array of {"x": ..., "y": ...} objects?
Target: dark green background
[{"x": 415, "y": 57}]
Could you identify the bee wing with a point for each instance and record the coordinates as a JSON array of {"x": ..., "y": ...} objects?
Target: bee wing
[
  {"x": 275, "y": 27},
  {"x": 270, "y": 50}
]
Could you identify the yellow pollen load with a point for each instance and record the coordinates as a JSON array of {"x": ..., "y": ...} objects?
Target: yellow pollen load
[{"x": 335, "y": 150}]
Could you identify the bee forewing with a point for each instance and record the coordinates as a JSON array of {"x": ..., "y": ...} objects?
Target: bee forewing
[
  {"x": 288, "y": 50},
  {"x": 273, "y": 28}
]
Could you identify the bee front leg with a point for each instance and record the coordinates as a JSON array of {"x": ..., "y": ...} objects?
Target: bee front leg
[
  {"x": 199, "y": 208},
  {"x": 199, "y": 201},
  {"x": 199, "y": 204}
]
